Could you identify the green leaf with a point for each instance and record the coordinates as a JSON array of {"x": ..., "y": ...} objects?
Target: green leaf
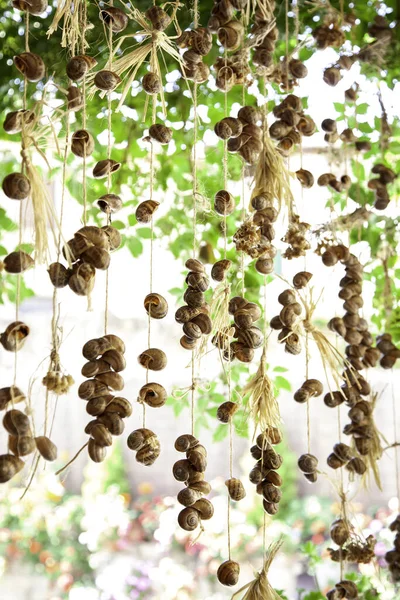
[
  {"x": 220, "y": 433},
  {"x": 118, "y": 224},
  {"x": 135, "y": 246},
  {"x": 3, "y": 251},
  {"x": 339, "y": 107},
  {"x": 144, "y": 232},
  {"x": 280, "y": 369},
  {"x": 132, "y": 219},
  {"x": 362, "y": 109},
  {"x": 282, "y": 383}
]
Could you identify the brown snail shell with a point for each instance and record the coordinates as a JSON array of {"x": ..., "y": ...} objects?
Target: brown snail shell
[
  {"x": 74, "y": 98},
  {"x": 220, "y": 268},
  {"x": 339, "y": 532},
  {"x": 332, "y": 76},
  {"x": 181, "y": 470},
  {"x": 305, "y": 177},
  {"x": 198, "y": 458},
  {"x": 106, "y": 80},
  {"x": 46, "y": 448},
  {"x": 189, "y": 519},
  {"x": 271, "y": 460},
  {"x": 271, "y": 493},
  {"x": 97, "y": 257},
  {"x": 188, "y": 496},
  {"x": 228, "y": 573},
  {"x": 243, "y": 318},
  {"x": 111, "y": 380},
  {"x": 17, "y": 119},
  {"x": 59, "y": 275},
  {"x": 91, "y": 389},
  {"x": 96, "y": 406},
  {"x": 114, "y": 237},
  {"x": 16, "y": 422},
  {"x": 115, "y": 18},
  {"x": 109, "y": 203},
  {"x": 334, "y": 461},
  {"x": 158, "y": 17},
  {"x": 226, "y": 411},
  {"x": 301, "y": 279},
  {"x": 265, "y": 266},
  {"x": 30, "y": 65},
  {"x": 224, "y": 203},
  {"x": 287, "y": 297},
  {"x": 113, "y": 422},
  {"x": 79, "y": 65},
  {"x": 252, "y": 338},
  {"x": 10, "y": 394},
  {"x": 343, "y": 452},
  {"x": 242, "y": 352},
  {"x": 308, "y": 463},
  {"x": 153, "y": 394},
  {"x": 97, "y": 453},
  {"x": 10, "y": 465},
  {"x": 301, "y": 395},
  {"x": 145, "y": 210},
  {"x": 139, "y": 437},
  {"x": 313, "y": 386},
  {"x": 201, "y": 486},
  {"x": 33, "y": 7},
  {"x": 156, "y": 306},
  {"x": 186, "y": 313},
  {"x": 16, "y": 186},
  {"x": 21, "y": 445},
  {"x": 82, "y": 143},
  {"x": 235, "y": 489},
  {"x": 249, "y": 114},
  {"x": 274, "y": 478},
  {"x": 115, "y": 359},
  {"x": 101, "y": 435},
  {"x": 14, "y": 336},
  {"x": 160, "y": 133},
  {"x": 151, "y": 83},
  {"x": 119, "y": 405},
  {"x": 153, "y": 359},
  {"x": 193, "y": 298},
  {"x": 148, "y": 454},
  {"x": 349, "y": 587},
  {"x": 297, "y": 69},
  {"x": 185, "y": 442},
  {"x": 105, "y": 167},
  {"x": 82, "y": 286},
  {"x": 270, "y": 507},
  {"x": 205, "y": 508},
  {"x": 230, "y": 35}
]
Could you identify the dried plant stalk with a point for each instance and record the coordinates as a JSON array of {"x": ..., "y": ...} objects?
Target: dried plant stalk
[
  {"x": 371, "y": 459},
  {"x": 70, "y": 10},
  {"x": 260, "y": 588},
  {"x": 262, "y": 404}
]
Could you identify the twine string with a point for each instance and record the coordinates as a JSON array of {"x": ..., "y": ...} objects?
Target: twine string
[
  {"x": 109, "y": 130},
  {"x": 287, "y": 42},
  {"x": 396, "y": 453}
]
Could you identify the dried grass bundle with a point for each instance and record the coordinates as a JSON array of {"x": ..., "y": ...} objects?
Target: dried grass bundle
[
  {"x": 260, "y": 588},
  {"x": 70, "y": 10},
  {"x": 376, "y": 451},
  {"x": 220, "y": 317},
  {"x": 272, "y": 176},
  {"x": 262, "y": 404}
]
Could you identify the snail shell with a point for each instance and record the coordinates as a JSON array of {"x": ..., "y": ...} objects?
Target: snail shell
[
  {"x": 249, "y": 114},
  {"x": 198, "y": 458},
  {"x": 332, "y": 76},
  {"x": 99, "y": 258},
  {"x": 79, "y": 65},
  {"x": 91, "y": 389},
  {"x": 301, "y": 279},
  {"x": 243, "y": 318},
  {"x": 111, "y": 380},
  {"x": 16, "y": 186},
  {"x": 139, "y": 437},
  {"x": 101, "y": 435},
  {"x": 109, "y": 203},
  {"x": 228, "y": 573},
  {"x": 145, "y": 210},
  {"x": 251, "y": 338},
  {"x": 201, "y": 486},
  {"x": 74, "y": 98},
  {"x": 188, "y": 496},
  {"x": 265, "y": 266},
  {"x": 189, "y": 519},
  {"x": 119, "y": 405},
  {"x": 226, "y": 411},
  {"x": 305, "y": 177},
  {"x": 10, "y": 394},
  {"x": 115, "y": 342},
  {"x": 113, "y": 422},
  {"x": 30, "y": 65},
  {"x": 97, "y": 453},
  {"x": 82, "y": 286},
  {"x": 33, "y": 7},
  {"x": 153, "y": 359},
  {"x": 235, "y": 489},
  {"x": 181, "y": 470},
  {"x": 160, "y": 133},
  {"x": 21, "y": 445},
  {"x": 274, "y": 478},
  {"x": 115, "y": 359},
  {"x": 204, "y": 323},
  {"x": 301, "y": 395},
  {"x": 311, "y": 477},
  {"x": 156, "y": 306},
  {"x": 224, "y": 203},
  {"x": 96, "y": 406},
  {"x": 59, "y": 275},
  {"x": 349, "y": 587},
  {"x": 46, "y": 448},
  {"x": 270, "y": 507},
  {"x": 271, "y": 493},
  {"x": 242, "y": 352},
  {"x": 115, "y": 18},
  {"x": 334, "y": 461},
  {"x": 10, "y": 465},
  {"x": 231, "y": 34},
  {"x": 198, "y": 281},
  {"x": 192, "y": 332},
  {"x": 82, "y": 143},
  {"x": 151, "y": 83},
  {"x": 106, "y": 80},
  {"x": 363, "y": 445},
  {"x": 343, "y": 452},
  {"x": 201, "y": 40},
  {"x": 14, "y": 336},
  {"x": 105, "y": 167},
  {"x": 16, "y": 120},
  {"x": 185, "y": 442},
  {"x": 193, "y": 298},
  {"x": 158, "y": 17},
  {"x": 313, "y": 386},
  {"x": 205, "y": 508},
  {"x": 149, "y": 452},
  {"x": 153, "y": 394},
  {"x": 16, "y": 422},
  {"x": 186, "y": 313},
  {"x": 297, "y": 69},
  {"x": 220, "y": 268},
  {"x": 308, "y": 463},
  {"x": 114, "y": 237},
  {"x": 255, "y": 475}
]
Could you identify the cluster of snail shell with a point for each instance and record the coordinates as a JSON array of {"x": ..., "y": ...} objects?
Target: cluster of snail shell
[
  {"x": 290, "y": 314},
  {"x": 291, "y": 124},
  {"x": 308, "y": 464},
  {"x": 266, "y": 36},
  {"x": 194, "y": 316},
  {"x": 21, "y": 441},
  {"x": 255, "y": 235},
  {"x": 232, "y": 70},
  {"x": 361, "y": 429},
  {"x": 198, "y": 43},
  {"x": 248, "y": 336},
  {"x": 333, "y": 74},
  {"x": 330, "y": 180},
  {"x": 87, "y": 251},
  {"x": 17, "y": 186},
  {"x": 390, "y": 353},
  {"x": 379, "y": 185},
  {"x": 328, "y": 34},
  {"x": 392, "y": 557},
  {"x": 106, "y": 360},
  {"x": 355, "y": 550},
  {"x": 264, "y": 473},
  {"x": 146, "y": 445},
  {"x": 296, "y": 237},
  {"x": 342, "y": 456},
  {"x": 344, "y": 590},
  {"x": 230, "y": 30},
  {"x": 242, "y": 134},
  {"x": 190, "y": 471}
]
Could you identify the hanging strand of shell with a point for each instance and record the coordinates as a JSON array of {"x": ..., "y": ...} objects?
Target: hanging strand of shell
[{"x": 151, "y": 394}]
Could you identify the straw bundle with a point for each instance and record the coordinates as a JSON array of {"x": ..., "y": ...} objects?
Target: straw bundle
[
  {"x": 262, "y": 404},
  {"x": 260, "y": 588}
]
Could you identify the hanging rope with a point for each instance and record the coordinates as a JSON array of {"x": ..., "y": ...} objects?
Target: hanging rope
[{"x": 396, "y": 453}]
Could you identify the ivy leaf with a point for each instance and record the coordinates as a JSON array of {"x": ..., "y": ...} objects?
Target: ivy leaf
[{"x": 135, "y": 246}]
